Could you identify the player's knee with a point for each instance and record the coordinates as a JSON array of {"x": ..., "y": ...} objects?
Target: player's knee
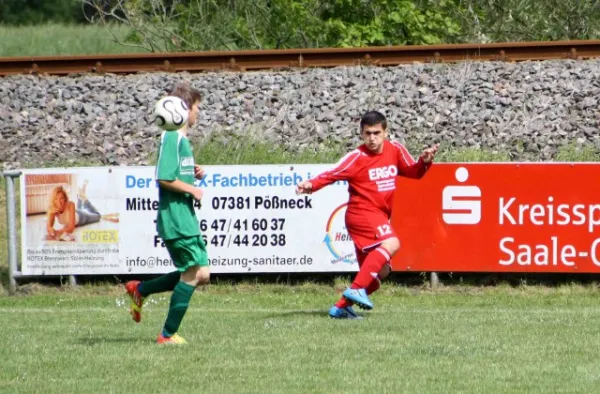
[
  {"x": 391, "y": 245},
  {"x": 202, "y": 276},
  {"x": 189, "y": 276}
]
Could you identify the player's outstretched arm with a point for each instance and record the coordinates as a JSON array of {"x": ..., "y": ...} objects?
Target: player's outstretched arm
[
  {"x": 304, "y": 187},
  {"x": 415, "y": 169},
  {"x": 343, "y": 170},
  {"x": 429, "y": 154}
]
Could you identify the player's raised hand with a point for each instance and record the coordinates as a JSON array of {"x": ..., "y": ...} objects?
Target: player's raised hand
[
  {"x": 199, "y": 172},
  {"x": 304, "y": 187},
  {"x": 429, "y": 153}
]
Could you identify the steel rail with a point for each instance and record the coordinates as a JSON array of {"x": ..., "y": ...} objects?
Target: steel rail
[{"x": 298, "y": 58}]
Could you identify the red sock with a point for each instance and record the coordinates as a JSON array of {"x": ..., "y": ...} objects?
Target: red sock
[
  {"x": 343, "y": 303},
  {"x": 374, "y": 286},
  {"x": 371, "y": 267}
]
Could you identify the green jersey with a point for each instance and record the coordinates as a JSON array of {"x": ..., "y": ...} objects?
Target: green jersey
[{"x": 176, "y": 217}]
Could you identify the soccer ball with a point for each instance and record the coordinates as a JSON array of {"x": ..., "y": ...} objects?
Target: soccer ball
[{"x": 171, "y": 113}]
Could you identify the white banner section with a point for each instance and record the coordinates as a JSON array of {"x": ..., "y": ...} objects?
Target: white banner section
[{"x": 102, "y": 220}]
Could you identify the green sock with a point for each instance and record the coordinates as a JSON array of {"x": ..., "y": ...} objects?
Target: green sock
[
  {"x": 159, "y": 285},
  {"x": 180, "y": 300}
]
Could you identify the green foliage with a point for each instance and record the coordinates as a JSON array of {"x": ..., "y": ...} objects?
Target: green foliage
[
  {"x": 524, "y": 20},
  {"x": 188, "y": 25},
  {"x": 357, "y": 23},
  {"x": 260, "y": 24},
  {"x": 255, "y": 151},
  {"x": 271, "y": 24},
  {"x": 32, "y": 12},
  {"x": 577, "y": 152},
  {"x": 170, "y": 25},
  {"x": 469, "y": 155},
  {"x": 237, "y": 150}
]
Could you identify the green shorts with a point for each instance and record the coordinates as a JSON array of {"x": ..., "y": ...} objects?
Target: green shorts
[{"x": 187, "y": 252}]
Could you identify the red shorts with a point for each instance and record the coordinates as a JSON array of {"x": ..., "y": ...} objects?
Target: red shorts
[{"x": 368, "y": 230}]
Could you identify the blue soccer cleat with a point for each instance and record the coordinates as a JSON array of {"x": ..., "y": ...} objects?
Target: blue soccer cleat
[
  {"x": 343, "y": 313},
  {"x": 338, "y": 313},
  {"x": 351, "y": 313},
  {"x": 359, "y": 297}
]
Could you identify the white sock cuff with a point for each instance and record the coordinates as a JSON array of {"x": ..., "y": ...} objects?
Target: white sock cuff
[{"x": 384, "y": 253}]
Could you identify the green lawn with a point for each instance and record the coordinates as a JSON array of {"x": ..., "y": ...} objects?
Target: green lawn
[
  {"x": 277, "y": 338},
  {"x": 60, "y": 40}
]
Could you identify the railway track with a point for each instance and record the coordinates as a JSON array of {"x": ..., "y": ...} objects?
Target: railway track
[{"x": 298, "y": 58}]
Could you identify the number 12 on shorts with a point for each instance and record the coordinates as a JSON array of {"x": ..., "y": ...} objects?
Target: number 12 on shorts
[{"x": 384, "y": 229}]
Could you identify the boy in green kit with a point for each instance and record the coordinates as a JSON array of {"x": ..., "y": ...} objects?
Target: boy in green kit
[{"x": 177, "y": 225}]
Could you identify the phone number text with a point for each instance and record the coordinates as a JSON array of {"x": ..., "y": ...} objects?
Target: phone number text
[{"x": 257, "y": 224}]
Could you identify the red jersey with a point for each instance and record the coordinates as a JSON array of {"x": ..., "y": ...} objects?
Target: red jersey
[{"x": 372, "y": 176}]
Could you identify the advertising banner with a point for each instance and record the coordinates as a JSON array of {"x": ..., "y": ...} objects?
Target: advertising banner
[
  {"x": 476, "y": 217},
  {"x": 486, "y": 217},
  {"x": 85, "y": 221}
]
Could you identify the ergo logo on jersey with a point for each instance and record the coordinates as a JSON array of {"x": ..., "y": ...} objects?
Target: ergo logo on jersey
[
  {"x": 382, "y": 172},
  {"x": 461, "y": 204}
]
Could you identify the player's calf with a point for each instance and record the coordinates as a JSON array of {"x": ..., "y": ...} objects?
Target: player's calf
[
  {"x": 374, "y": 286},
  {"x": 384, "y": 272}
]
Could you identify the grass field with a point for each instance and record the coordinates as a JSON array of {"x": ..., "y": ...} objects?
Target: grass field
[
  {"x": 278, "y": 339},
  {"x": 55, "y": 40}
]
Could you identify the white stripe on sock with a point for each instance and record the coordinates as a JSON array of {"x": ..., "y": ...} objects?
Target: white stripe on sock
[{"x": 384, "y": 253}]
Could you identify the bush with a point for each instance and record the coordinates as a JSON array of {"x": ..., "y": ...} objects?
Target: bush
[{"x": 35, "y": 12}]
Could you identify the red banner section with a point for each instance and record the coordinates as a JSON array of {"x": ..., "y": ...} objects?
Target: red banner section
[{"x": 505, "y": 217}]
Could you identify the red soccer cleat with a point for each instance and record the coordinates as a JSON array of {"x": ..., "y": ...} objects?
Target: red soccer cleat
[
  {"x": 173, "y": 340},
  {"x": 136, "y": 300}
]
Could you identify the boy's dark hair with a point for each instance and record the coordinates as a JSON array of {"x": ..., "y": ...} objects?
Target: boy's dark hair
[
  {"x": 373, "y": 118},
  {"x": 186, "y": 93}
]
